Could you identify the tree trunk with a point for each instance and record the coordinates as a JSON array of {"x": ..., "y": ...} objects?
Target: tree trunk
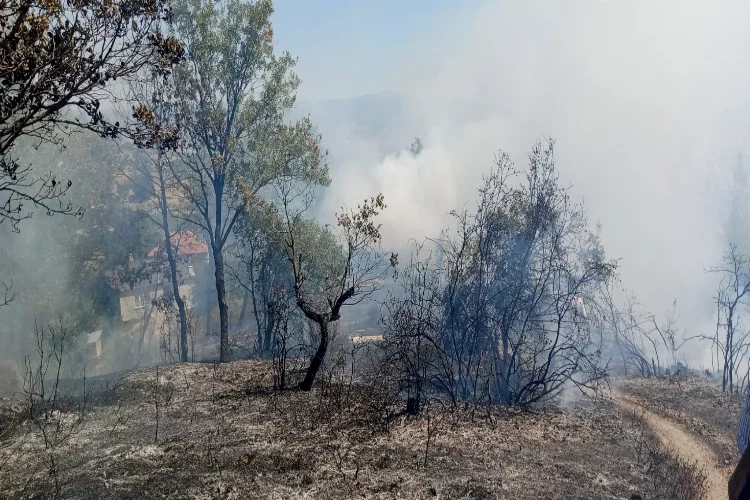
[
  {"x": 180, "y": 302},
  {"x": 209, "y": 311},
  {"x": 270, "y": 325},
  {"x": 243, "y": 311},
  {"x": 317, "y": 360},
  {"x": 208, "y": 304},
  {"x": 172, "y": 259},
  {"x": 505, "y": 394},
  {"x": 149, "y": 309},
  {"x": 221, "y": 295},
  {"x": 727, "y": 352},
  {"x": 259, "y": 347}
]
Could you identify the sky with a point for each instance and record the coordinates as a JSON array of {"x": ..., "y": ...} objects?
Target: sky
[
  {"x": 649, "y": 102},
  {"x": 367, "y": 38}
]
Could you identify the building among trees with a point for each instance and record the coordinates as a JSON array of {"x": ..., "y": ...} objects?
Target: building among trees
[{"x": 146, "y": 306}]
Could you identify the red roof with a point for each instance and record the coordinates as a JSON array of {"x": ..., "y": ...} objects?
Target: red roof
[{"x": 184, "y": 243}]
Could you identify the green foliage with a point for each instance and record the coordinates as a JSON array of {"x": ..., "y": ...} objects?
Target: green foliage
[
  {"x": 61, "y": 266},
  {"x": 323, "y": 259},
  {"x": 233, "y": 93},
  {"x": 317, "y": 246}
]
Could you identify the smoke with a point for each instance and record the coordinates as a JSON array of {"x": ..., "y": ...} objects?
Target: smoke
[
  {"x": 647, "y": 102},
  {"x": 53, "y": 263}
]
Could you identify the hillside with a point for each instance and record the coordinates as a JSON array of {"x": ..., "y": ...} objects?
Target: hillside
[{"x": 220, "y": 431}]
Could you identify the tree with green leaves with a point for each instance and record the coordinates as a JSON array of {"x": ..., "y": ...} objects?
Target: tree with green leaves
[
  {"x": 232, "y": 93},
  {"x": 261, "y": 269},
  {"x": 58, "y": 59},
  {"x": 156, "y": 131},
  {"x": 263, "y": 251}
]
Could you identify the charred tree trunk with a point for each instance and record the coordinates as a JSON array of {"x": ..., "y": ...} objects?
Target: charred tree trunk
[
  {"x": 208, "y": 305},
  {"x": 218, "y": 239},
  {"x": 181, "y": 310},
  {"x": 270, "y": 325},
  {"x": 317, "y": 360},
  {"x": 172, "y": 260},
  {"x": 505, "y": 387},
  {"x": 260, "y": 346},
  {"x": 144, "y": 331},
  {"x": 624, "y": 358},
  {"x": 727, "y": 353},
  {"x": 243, "y": 311},
  {"x": 209, "y": 311},
  {"x": 323, "y": 321},
  {"x": 221, "y": 296}
]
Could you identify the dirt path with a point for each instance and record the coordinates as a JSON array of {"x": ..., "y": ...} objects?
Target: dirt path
[{"x": 678, "y": 442}]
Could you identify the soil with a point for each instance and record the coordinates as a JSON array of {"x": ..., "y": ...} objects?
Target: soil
[
  {"x": 698, "y": 404},
  {"x": 202, "y": 431},
  {"x": 675, "y": 439}
]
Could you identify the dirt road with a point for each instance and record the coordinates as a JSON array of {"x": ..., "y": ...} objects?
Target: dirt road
[{"x": 679, "y": 442}]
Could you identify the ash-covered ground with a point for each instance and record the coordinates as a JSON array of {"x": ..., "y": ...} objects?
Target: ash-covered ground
[{"x": 204, "y": 431}]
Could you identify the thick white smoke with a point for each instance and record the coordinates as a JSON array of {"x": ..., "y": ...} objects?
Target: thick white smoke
[{"x": 648, "y": 102}]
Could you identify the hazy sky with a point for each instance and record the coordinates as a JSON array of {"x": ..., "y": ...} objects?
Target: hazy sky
[
  {"x": 352, "y": 47},
  {"x": 649, "y": 102}
]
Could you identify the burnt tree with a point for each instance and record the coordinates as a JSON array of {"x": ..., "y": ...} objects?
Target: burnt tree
[{"x": 349, "y": 266}]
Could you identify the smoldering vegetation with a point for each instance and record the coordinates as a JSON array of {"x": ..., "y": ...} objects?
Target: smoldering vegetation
[
  {"x": 183, "y": 315},
  {"x": 221, "y": 431},
  {"x": 505, "y": 313}
]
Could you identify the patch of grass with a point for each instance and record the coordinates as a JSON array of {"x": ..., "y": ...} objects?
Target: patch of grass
[
  {"x": 224, "y": 434},
  {"x": 674, "y": 478},
  {"x": 668, "y": 477},
  {"x": 699, "y": 405}
]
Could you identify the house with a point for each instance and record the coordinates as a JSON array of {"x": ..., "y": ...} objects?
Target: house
[
  {"x": 94, "y": 344},
  {"x": 192, "y": 255},
  {"x": 363, "y": 339},
  {"x": 138, "y": 303}
]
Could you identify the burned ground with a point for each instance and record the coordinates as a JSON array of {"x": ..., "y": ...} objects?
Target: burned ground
[
  {"x": 698, "y": 404},
  {"x": 222, "y": 433}
]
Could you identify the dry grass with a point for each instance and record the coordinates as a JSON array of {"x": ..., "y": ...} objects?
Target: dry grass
[
  {"x": 696, "y": 403},
  {"x": 223, "y": 434},
  {"x": 671, "y": 477}
]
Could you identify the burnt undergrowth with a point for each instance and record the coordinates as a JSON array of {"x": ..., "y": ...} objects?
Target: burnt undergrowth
[{"x": 220, "y": 431}]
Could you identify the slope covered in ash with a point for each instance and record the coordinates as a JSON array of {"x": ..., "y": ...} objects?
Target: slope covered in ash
[{"x": 220, "y": 431}]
